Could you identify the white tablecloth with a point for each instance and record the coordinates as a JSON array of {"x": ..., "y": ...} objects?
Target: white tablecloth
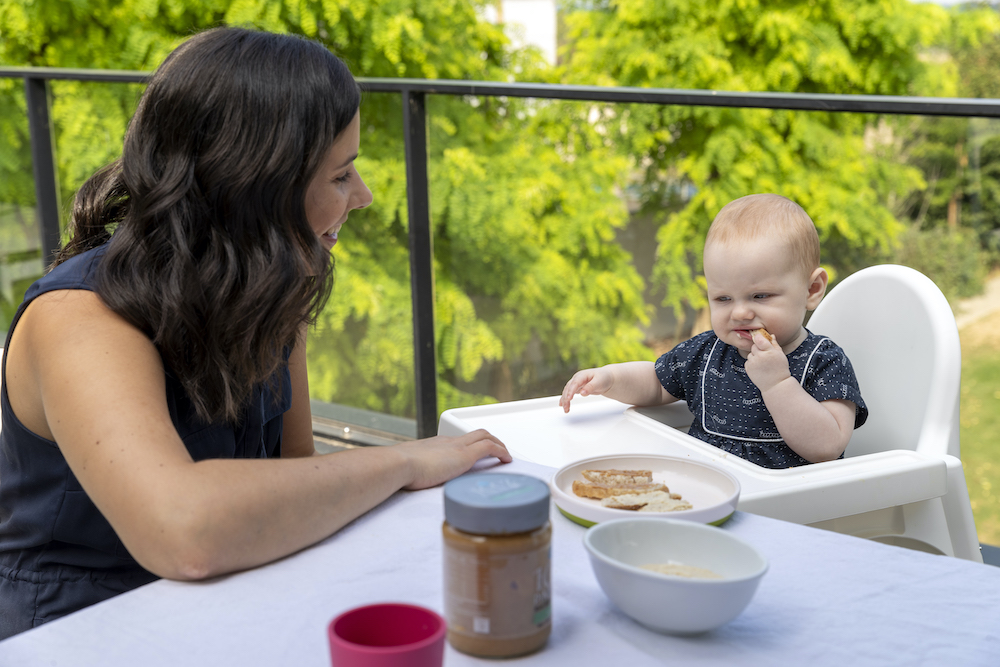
[{"x": 828, "y": 599}]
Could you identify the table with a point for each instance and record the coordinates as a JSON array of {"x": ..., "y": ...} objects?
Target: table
[
  {"x": 828, "y": 599},
  {"x": 903, "y": 497}
]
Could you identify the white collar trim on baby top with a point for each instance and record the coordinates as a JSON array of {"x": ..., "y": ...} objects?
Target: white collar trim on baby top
[{"x": 704, "y": 401}]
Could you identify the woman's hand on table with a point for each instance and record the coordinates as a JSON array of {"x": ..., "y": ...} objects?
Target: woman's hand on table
[{"x": 436, "y": 460}]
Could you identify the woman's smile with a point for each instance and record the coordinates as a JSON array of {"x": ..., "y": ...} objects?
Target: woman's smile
[{"x": 336, "y": 189}]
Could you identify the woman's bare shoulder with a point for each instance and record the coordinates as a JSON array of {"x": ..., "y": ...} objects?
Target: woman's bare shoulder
[
  {"x": 75, "y": 319},
  {"x": 68, "y": 343}
]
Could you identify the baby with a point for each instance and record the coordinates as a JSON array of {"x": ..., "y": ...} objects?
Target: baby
[{"x": 785, "y": 401}]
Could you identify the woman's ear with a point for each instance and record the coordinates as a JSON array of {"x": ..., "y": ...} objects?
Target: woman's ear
[{"x": 817, "y": 288}]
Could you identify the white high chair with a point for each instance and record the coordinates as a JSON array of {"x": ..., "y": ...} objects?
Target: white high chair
[
  {"x": 900, "y": 335},
  {"x": 901, "y": 481}
]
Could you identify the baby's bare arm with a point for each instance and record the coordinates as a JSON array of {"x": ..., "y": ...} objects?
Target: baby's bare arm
[
  {"x": 816, "y": 431},
  {"x": 633, "y": 382}
]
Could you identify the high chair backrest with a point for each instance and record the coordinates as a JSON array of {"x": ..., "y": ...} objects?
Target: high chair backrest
[{"x": 899, "y": 333}]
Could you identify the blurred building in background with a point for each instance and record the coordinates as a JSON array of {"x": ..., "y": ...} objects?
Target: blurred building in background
[{"x": 529, "y": 22}]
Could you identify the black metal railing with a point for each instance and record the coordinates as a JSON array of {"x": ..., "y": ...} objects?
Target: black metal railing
[{"x": 414, "y": 93}]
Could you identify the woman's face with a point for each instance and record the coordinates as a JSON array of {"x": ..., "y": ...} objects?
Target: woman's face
[{"x": 337, "y": 189}]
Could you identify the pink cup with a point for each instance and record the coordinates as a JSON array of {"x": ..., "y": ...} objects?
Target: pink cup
[{"x": 387, "y": 635}]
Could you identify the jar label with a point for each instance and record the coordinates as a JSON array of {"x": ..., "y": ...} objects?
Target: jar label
[{"x": 497, "y": 596}]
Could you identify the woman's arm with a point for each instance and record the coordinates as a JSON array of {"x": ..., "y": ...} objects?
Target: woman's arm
[
  {"x": 94, "y": 384},
  {"x": 296, "y": 431}
]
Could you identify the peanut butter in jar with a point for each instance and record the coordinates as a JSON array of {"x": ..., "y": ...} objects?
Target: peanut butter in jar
[{"x": 497, "y": 572}]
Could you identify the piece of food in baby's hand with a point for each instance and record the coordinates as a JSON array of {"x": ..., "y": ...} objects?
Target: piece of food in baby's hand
[{"x": 765, "y": 334}]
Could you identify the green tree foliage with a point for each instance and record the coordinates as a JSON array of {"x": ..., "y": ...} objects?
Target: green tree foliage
[
  {"x": 523, "y": 223},
  {"x": 959, "y": 157},
  {"x": 984, "y": 213},
  {"x": 89, "y": 118},
  {"x": 526, "y": 195},
  {"x": 530, "y": 216},
  {"x": 820, "y": 160}
]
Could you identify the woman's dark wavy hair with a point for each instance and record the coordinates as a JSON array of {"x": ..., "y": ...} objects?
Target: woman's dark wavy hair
[{"x": 209, "y": 250}]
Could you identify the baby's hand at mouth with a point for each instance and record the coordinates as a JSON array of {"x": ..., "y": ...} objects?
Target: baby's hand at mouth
[{"x": 766, "y": 364}]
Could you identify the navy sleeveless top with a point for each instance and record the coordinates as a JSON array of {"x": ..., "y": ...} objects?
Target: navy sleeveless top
[{"x": 58, "y": 553}]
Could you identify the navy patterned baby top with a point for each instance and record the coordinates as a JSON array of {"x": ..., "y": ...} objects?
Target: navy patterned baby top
[{"x": 728, "y": 409}]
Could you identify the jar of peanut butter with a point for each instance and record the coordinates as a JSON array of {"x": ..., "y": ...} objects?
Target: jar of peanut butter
[{"x": 497, "y": 573}]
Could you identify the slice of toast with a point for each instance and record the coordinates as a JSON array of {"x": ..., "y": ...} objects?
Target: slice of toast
[
  {"x": 618, "y": 477},
  {"x": 599, "y": 491},
  {"x": 765, "y": 334}
]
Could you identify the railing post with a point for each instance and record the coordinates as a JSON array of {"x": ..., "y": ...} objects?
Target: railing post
[
  {"x": 421, "y": 262},
  {"x": 36, "y": 92}
]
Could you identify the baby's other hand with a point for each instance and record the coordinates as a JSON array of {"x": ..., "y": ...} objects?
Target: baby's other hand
[
  {"x": 586, "y": 382},
  {"x": 766, "y": 364}
]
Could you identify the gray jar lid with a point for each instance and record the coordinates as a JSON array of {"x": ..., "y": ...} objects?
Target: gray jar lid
[{"x": 496, "y": 503}]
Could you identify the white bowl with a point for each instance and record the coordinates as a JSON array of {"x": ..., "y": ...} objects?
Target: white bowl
[
  {"x": 667, "y": 603},
  {"x": 712, "y": 492}
]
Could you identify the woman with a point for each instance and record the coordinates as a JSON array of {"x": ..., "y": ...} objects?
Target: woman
[{"x": 164, "y": 356}]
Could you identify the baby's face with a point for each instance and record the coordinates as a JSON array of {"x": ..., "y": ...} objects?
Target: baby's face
[{"x": 754, "y": 285}]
